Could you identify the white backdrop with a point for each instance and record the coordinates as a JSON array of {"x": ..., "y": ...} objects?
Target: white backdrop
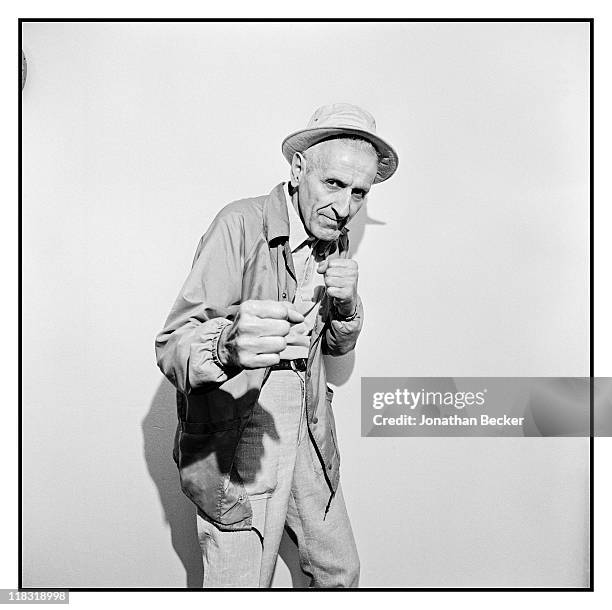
[{"x": 473, "y": 259}]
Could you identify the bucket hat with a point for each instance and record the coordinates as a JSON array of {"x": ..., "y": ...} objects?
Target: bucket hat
[{"x": 340, "y": 119}]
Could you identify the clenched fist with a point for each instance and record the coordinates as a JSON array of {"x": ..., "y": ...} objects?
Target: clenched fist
[
  {"x": 258, "y": 334},
  {"x": 340, "y": 276}
]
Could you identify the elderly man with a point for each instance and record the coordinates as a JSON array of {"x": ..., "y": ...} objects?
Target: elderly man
[{"x": 271, "y": 290}]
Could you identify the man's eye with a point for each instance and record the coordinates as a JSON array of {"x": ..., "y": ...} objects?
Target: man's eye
[
  {"x": 331, "y": 182},
  {"x": 359, "y": 195}
]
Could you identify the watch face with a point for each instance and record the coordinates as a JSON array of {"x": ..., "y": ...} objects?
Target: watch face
[{"x": 24, "y": 69}]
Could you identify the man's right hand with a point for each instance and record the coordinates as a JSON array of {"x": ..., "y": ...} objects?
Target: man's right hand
[{"x": 258, "y": 334}]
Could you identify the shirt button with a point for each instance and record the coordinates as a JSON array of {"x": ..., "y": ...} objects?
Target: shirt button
[
  {"x": 240, "y": 498},
  {"x": 315, "y": 420},
  {"x": 284, "y": 295},
  {"x": 329, "y": 466}
]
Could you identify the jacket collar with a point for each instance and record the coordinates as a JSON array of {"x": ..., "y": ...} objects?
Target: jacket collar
[{"x": 276, "y": 218}]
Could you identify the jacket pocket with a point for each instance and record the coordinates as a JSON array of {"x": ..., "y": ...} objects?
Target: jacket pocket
[
  {"x": 207, "y": 473},
  {"x": 258, "y": 453}
]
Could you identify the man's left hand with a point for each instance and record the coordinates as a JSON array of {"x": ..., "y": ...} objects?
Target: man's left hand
[{"x": 341, "y": 276}]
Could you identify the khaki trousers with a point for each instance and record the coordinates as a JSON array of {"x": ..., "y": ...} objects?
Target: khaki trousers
[{"x": 287, "y": 489}]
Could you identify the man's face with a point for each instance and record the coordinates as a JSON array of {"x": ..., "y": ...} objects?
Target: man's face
[{"x": 333, "y": 186}]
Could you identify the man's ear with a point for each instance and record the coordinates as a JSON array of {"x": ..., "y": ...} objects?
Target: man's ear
[{"x": 298, "y": 167}]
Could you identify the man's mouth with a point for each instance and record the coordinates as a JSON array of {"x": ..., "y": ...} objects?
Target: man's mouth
[{"x": 330, "y": 223}]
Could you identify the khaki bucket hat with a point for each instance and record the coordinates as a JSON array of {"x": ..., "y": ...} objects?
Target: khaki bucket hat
[{"x": 341, "y": 119}]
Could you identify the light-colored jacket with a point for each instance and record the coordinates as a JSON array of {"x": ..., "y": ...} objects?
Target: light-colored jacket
[{"x": 244, "y": 255}]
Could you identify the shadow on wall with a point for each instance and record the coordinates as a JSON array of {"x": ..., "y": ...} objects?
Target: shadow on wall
[
  {"x": 158, "y": 429},
  {"x": 357, "y": 228}
]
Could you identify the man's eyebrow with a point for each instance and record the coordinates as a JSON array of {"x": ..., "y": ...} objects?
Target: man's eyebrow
[
  {"x": 344, "y": 184},
  {"x": 335, "y": 179}
]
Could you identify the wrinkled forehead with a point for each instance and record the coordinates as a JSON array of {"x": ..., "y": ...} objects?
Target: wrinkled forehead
[{"x": 354, "y": 156}]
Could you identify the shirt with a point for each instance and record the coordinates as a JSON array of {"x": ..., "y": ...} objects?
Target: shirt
[{"x": 307, "y": 252}]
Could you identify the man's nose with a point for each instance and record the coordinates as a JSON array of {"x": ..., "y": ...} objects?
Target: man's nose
[{"x": 342, "y": 204}]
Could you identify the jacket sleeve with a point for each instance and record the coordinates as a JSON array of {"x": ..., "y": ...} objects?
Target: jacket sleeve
[
  {"x": 186, "y": 348},
  {"x": 341, "y": 333}
]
